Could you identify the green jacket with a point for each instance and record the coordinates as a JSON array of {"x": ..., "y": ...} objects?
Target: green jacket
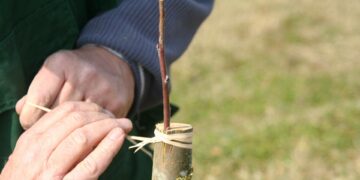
[{"x": 29, "y": 32}]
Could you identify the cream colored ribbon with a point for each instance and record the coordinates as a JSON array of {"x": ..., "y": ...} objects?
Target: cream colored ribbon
[{"x": 183, "y": 140}]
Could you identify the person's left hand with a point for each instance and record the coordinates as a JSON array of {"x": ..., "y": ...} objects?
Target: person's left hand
[
  {"x": 76, "y": 140},
  {"x": 90, "y": 73}
]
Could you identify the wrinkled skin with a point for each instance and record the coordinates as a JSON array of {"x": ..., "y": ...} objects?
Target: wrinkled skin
[
  {"x": 90, "y": 73},
  {"x": 77, "y": 139},
  {"x": 63, "y": 144}
]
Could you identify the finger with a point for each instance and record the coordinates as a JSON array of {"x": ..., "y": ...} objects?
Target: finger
[
  {"x": 42, "y": 91},
  {"x": 60, "y": 130},
  {"x": 115, "y": 105},
  {"x": 52, "y": 137},
  {"x": 79, "y": 144},
  {"x": 20, "y": 104},
  {"x": 99, "y": 159},
  {"x": 68, "y": 93},
  {"x": 60, "y": 114}
]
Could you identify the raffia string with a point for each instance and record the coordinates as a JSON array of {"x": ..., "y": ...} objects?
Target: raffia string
[
  {"x": 39, "y": 107},
  {"x": 183, "y": 140}
]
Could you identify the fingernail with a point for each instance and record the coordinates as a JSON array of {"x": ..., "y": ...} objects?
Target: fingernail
[
  {"x": 125, "y": 124},
  {"x": 115, "y": 134}
]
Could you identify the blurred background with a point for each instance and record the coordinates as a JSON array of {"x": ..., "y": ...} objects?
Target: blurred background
[{"x": 272, "y": 89}]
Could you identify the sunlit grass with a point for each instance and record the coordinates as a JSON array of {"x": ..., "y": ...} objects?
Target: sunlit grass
[{"x": 272, "y": 89}]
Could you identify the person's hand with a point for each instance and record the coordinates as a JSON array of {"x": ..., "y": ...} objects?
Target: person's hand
[
  {"x": 76, "y": 140},
  {"x": 90, "y": 73}
]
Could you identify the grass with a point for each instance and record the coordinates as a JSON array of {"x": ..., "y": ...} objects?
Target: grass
[{"x": 272, "y": 90}]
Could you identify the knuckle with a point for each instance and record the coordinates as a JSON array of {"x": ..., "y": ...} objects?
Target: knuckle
[
  {"x": 88, "y": 73},
  {"x": 76, "y": 106},
  {"x": 89, "y": 70},
  {"x": 113, "y": 123},
  {"x": 77, "y": 116},
  {"x": 57, "y": 58},
  {"x": 89, "y": 166},
  {"x": 95, "y": 107},
  {"x": 69, "y": 106},
  {"x": 47, "y": 140},
  {"x": 41, "y": 99},
  {"x": 105, "y": 149},
  {"x": 73, "y": 119},
  {"x": 77, "y": 138}
]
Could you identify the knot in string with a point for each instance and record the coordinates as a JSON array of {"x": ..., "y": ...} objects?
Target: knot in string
[{"x": 183, "y": 140}]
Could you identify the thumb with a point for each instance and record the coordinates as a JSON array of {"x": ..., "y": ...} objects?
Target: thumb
[{"x": 43, "y": 91}]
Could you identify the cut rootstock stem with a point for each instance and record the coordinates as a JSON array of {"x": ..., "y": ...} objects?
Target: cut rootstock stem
[{"x": 164, "y": 75}]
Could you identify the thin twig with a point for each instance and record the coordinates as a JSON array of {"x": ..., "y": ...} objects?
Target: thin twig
[{"x": 164, "y": 75}]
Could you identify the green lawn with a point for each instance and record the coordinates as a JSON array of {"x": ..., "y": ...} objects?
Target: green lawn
[{"x": 272, "y": 89}]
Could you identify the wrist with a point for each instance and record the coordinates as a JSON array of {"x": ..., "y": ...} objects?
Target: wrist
[{"x": 121, "y": 70}]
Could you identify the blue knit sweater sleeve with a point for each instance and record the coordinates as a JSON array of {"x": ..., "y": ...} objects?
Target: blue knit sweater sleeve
[{"x": 131, "y": 29}]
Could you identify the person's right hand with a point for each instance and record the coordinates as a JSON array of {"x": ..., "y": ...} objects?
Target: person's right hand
[{"x": 76, "y": 140}]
